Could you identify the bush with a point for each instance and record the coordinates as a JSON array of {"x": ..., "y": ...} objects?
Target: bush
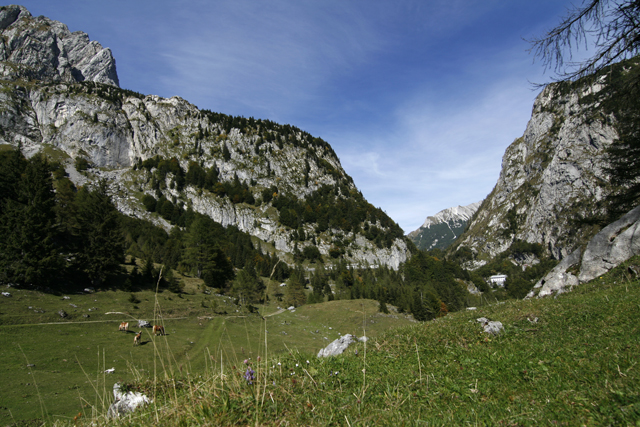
[
  {"x": 81, "y": 164},
  {"x": 312, "y": 253},
  {"x": 149, "y": 203}
]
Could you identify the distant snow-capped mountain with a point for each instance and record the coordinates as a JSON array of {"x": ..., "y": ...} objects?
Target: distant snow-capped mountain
[{"x": 441, "y": 229}]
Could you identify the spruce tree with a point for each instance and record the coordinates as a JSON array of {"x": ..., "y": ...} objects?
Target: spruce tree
[
  {"x": 294, "y": 294},
  {"x": 204, "y": 255},
  {"x": 28, "y": 253},
  {"x": 101, "y": 248}
]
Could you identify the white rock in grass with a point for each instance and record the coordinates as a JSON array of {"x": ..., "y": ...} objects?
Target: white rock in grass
[
  {"x": 490, "y": 326},
  {"x": 125, "y": 402},
  {"x": 338, "y": 346}
]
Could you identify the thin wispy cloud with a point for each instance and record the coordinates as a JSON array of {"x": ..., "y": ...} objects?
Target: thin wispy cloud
[{"x": 283, "y": 62}]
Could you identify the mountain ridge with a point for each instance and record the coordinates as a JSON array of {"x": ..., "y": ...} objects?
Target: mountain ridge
[
  {"x": 452, "y": 214},
  {"x": 441, "y": 229},
  {"x": 58, "y": 99}
]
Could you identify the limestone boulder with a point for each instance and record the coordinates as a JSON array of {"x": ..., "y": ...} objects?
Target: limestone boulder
[
  {"x": 615, "y": 244},
  {"x": 338, "y": 346},
  {"x": 558, "y": 279}
]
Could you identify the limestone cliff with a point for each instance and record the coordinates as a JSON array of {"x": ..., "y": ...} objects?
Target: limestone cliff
[
  {"x": 42, "y": 49},
  {"x": 552, "y": 177},
  {"x": 60, "y": 96}
]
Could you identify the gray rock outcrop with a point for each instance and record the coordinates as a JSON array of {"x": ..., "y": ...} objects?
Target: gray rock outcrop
[
  {"x": 550, "y": 176},
  {"x": 42, "y": 49},
  {"x": 613, "y": 245},
  {"x": 338, "y": 346}
]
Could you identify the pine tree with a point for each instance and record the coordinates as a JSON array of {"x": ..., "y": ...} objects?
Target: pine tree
[
  {"x": 204, "y": 255},
  {"x": 294, "y": 294},
  {"x": 383, "y": 307},
  {"x": 28, "y": 253},
  {"x": 623, "y": 155},
  {"x": 101, "y": 248},
  {"x": 12, "y": 165},
  {"x": 417, "y": 308},
  {"x": 247, "y": 287}
]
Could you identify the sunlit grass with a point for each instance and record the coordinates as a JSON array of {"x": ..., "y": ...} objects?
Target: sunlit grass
[
  {"x": 70, "y": 355},
  {"x": 571, "y": 360}
]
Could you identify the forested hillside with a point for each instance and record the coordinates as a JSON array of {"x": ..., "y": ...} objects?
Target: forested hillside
[
  {"x": 61, "y": 238},
  {"x": 106, "y": 187}
]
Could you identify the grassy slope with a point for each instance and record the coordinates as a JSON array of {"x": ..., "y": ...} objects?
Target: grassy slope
[
  {"x": 70, "y": 355},
  {"x": 577, "y": 364}
]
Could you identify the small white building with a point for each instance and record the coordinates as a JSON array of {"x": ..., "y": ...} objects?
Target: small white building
[{"x": 498, "y": 280}]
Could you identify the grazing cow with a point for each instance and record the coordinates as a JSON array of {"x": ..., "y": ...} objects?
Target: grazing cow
[
  {"x": 158, "y": 329},
  {"x": 124, "y": 326},
  {"x": 137, "y": 338}
]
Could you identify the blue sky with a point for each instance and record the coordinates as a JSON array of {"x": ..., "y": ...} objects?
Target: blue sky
[{"x": 419, "y": 99}]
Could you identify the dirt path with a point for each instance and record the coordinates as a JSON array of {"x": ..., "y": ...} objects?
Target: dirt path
[
  {"x": 282, "y": 310},
  {"x": 83, "y": 321}
]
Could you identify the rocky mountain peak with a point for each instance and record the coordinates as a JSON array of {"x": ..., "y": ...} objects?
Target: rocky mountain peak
[
  {"x": 38, "y": 48},
  {"x": 457, "y": 213},
  {"x": 441, "y": 229}
]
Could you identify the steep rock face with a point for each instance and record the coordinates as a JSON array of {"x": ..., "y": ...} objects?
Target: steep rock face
[
  {"x": 551, "y": 176},
  {"x": 71, "y": 112},
  {"x": 42, "y": 49},
  {"x": 117, "y": 134},
  {"x": 440, "y": 230}
]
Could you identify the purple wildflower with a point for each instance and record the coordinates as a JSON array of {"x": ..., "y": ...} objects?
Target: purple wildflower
[{"x": 249, "y": 375}]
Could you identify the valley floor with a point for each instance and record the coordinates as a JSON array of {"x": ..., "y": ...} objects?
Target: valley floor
[{"x": 53, "y": 368}]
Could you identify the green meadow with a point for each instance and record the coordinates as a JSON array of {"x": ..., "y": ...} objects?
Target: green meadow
[
  {"x": 53, "y": 368},
  {"x": 570, "y": 360}
]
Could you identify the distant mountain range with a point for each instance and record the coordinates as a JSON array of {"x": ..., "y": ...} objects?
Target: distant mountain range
[{"x": 441, "y": 229}]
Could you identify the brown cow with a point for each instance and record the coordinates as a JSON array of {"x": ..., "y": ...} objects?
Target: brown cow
[
  {"x": 124, "y": 326},
  {"x": 158, "y": 329},
  {"x": 137, "y": 338}
]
